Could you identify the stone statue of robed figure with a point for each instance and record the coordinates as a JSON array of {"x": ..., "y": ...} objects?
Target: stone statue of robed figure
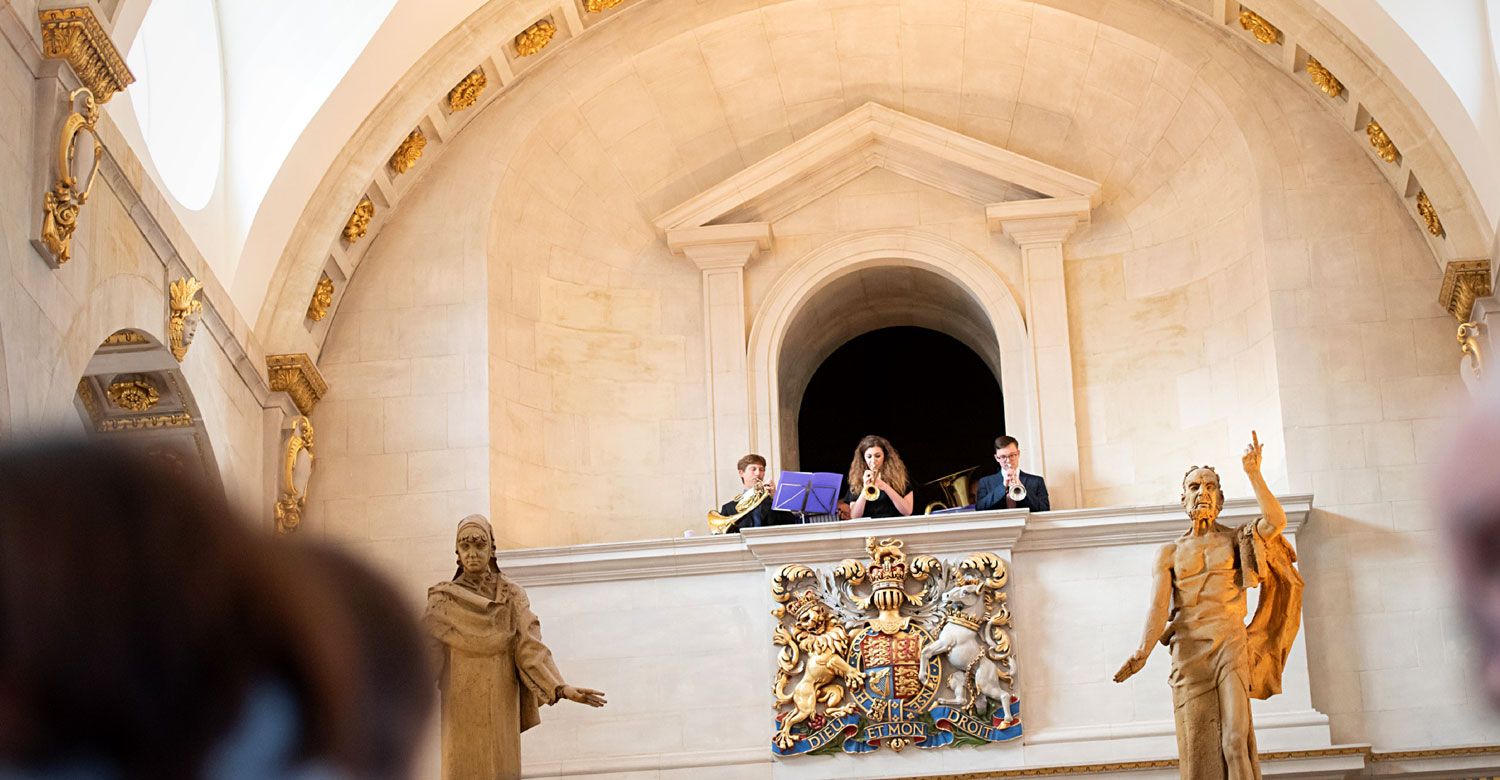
[
  {"x": 495, "y": 668},
  {"x": 1198, "y": 608}
]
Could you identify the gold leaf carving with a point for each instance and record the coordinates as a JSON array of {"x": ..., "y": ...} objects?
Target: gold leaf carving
[
  {"x": 1323, "y": 79},
  {"x": 409, "y": 152},
  {"x": 321, "y": 300},
  {"x": 466, "y": 93},
  {"x": 535, "y": 38},
  {"x": 1429, "y": 215},
  {"x": 1258, "y": 26},
  {"x": 184, "y": 313},
  {"x": 1463, "y": 282},
  {"x": 288, "y": 510},
  {"x": 1382, "y": 142},
  {"x": 359, "y": 221},
  {"x": 62, "y": 203},
  {"x": 297, "y": 376},
  {"x": 599, "y": 6},
  {"x": 124, "y": 337},
  {"x": 74, "y": 35},
  {"x": 133, "y": 393}
]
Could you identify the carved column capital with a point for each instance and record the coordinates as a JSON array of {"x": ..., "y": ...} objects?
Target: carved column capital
[
  {"x": 1463, "y": 282},
  {"x": 76, "y": 37},
  {"x": 1038, "y": 222},
  {"x": 297, "y": 376},
  {"x": 720, "y": 247}
]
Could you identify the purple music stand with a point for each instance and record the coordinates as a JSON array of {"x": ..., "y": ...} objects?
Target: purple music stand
[{"x": 807, "y": 493}]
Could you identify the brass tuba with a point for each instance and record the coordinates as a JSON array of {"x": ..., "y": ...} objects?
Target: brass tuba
[
  {"x": 748, "y": 501},
  {"x": 955, "y": 488}
]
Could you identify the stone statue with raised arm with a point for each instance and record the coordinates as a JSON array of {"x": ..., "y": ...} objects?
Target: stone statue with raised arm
[
  {"x": 495, "y": 668},
  {"x": 1198, "y": 608}
]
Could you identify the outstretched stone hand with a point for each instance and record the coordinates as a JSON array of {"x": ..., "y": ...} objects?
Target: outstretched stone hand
[
  {"x": 587, "y": 696},
  {"x": 1251, "y": 459},
  {"x": 1133, "y": 665}
]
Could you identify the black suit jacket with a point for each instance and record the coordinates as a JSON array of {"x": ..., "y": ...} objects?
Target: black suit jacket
[{"x": 992, "y": 493}]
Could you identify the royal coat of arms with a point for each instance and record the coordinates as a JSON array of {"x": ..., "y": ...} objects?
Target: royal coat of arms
[{"x": 893, "y": 654}]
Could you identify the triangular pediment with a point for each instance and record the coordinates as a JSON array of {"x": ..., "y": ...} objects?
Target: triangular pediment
[{"x": 874, "y": 136}]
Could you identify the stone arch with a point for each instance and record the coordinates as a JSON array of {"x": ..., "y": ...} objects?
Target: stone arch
[{"x": 883, "y": 249}]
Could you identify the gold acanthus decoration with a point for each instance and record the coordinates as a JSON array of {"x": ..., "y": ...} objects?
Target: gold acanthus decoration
[
  {"x": 124, "y": 337},
  {"x": 183, "y": 318},
  {"x": 1382, "y": 142},
  {"x": 321, "y": 300},
  {"x": 1258, "y": 26},
  {"x": 133, "y": 393},
  {"x": 1464, "y": 281},
  {"x": 359, "y": 221},
  {"x": 600, "y": 6},
  {"x": 466, "y": 93},
  {"x": 296, "y": 470},
  {"x": 408, "y": 152},
  {"x": 1429, "y": 215},
  {"x": 1468, "y": 344},
  {"x": 1323, "y": 79},
  {"x": 62, "y": 203},
  {"x": 535, "y": 38},
  {"x": 297, "y": 376},
  {"x": 75, "y": 36}
]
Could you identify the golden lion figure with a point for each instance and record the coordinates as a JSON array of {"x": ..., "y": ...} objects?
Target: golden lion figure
[{"x": 816, "y": 647}]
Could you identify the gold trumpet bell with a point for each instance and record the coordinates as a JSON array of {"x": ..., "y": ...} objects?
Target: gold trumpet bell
[
  {"x": 749, "y": 500},
  {"x": 955, "y": 490}
]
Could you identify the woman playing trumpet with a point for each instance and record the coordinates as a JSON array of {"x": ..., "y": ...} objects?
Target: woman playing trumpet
[{"x": 878, "y": 483}]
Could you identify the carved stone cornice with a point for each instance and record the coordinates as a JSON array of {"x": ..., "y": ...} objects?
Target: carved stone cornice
[
  {"x": 298, "y": 377},
  {"x": 74, "y": 35},
  {"x": 1463, "y": 282}
]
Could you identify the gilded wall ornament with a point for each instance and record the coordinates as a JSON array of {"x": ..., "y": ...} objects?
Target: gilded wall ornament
[
  {"x": 296, "y": 471},
  {"x": 1382, "y": 142},
  {"x": 408, "y": 152},
  {"x": 133, "y": 393},
  {"x": 1464, "y": 281},
  {"x": 321, "y": 300},
  {"x": 600, "y": 6},
  {"x": 62, "y": 204},
  {"x": 120, "y": 337},
  {"x": 466, "y": 93},
  {"x": 1323, "y": 79},
  {"x": 535, "y": 38},
  {"x": 75, "y": 36},
  {"x": 931, "y": 667},
  {"x": 297, "y": 376},
  {"x": 1429, "y": 215},
  {"x": 1468, "y": 344},
  {"x": 183, "y": 318},
  {"x": 1258, "y": 26},
  {"x": 359, "y": 221}
]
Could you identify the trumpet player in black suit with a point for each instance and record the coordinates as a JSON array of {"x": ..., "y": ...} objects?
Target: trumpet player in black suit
[{"x": 1012, "y": 488}]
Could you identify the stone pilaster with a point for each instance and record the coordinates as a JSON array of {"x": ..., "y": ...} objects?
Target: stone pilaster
[
  {"x": 1039, "y": 228},
  {"x": 721, "y": 252}
]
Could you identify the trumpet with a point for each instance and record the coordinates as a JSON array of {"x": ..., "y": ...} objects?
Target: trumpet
[
  {"x": 748, "y": 501},
  {"x": 1015, "y": 491},
  {"x": 870, "y": 493}
]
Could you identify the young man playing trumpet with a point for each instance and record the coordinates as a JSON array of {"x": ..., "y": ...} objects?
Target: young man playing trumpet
[
  {"x": 1012, "y": 488},
  {"x": 752, "y": 469}
]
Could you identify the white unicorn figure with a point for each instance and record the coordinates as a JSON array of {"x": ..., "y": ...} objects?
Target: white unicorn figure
[{"x": 973, "y": 611}]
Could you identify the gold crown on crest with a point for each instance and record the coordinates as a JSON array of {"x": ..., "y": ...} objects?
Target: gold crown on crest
[
  {"x": 887, "y": 563},
  {"x": 956, "y": 615}
]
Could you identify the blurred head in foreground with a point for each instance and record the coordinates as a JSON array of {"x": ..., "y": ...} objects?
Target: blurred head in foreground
[
  {"x": 147, "y": 632},
  {"x": 1466, "y": 485}
]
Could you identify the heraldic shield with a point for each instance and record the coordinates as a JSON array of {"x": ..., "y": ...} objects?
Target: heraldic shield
[{"x": 875, "y": 663}]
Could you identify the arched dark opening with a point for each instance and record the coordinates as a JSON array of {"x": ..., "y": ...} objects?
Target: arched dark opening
[{"x": 927, "y": 392}]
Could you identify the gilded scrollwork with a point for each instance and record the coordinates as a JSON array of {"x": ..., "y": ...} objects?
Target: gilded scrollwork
[
  {"x": 600, "y": 6},
  {"x": 61, "y": 204},
  {"x": 359, "y": 221},
  {"x": 466, "y": 93},
  {"x": 322, "y": 299},
  {"x": 1429, "y": 215},
  {"x": 133, "y": 393},
  {"x": 1464, "y": 281},
  {"x": 1382, "y": 142},
  {"x": 185, "y": 311},
  {"x": 1263, "y": 30},
  {"x": 408, "y": 152},
  {"x": 870, "y": 650},
  {"x": 75, "y": 36},
  {"x": 535, "y": 38},
  {"x": 1323, "y": 79},
  {"x": 296, "y": 470},
  {"x": 296, "y": 375},
  {"x": 1468, "y": 344}
]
